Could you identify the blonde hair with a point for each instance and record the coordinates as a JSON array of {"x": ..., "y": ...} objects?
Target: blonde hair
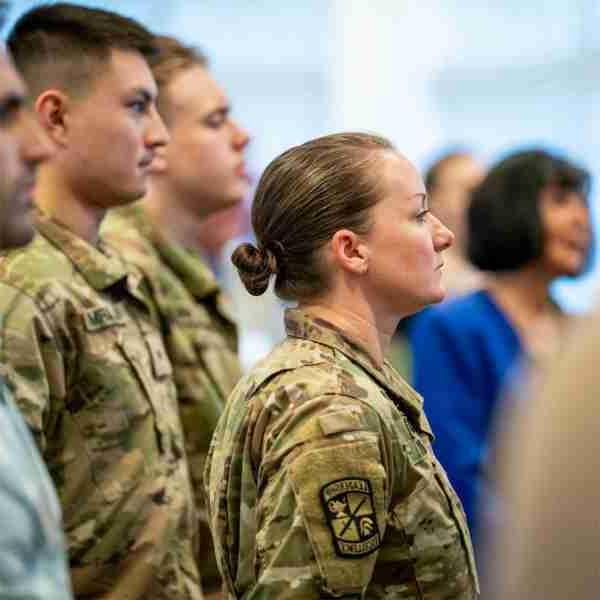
[{"x": 172, "y": 58}]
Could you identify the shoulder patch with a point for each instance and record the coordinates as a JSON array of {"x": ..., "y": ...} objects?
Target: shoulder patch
[{"x": 350, "y": 513}]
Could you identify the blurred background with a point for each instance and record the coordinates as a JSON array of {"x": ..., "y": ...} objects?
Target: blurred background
[{"x": 430, "y": 75}]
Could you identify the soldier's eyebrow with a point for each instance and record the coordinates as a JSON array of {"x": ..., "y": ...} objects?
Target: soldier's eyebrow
[{"x": 144, "y": 94}]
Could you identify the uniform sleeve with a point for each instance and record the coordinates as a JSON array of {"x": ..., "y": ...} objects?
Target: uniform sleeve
[
  {"x": 321, "y": 511},
  {"x": 446, "y": 378},
  {"x": 30, "y": 361}
]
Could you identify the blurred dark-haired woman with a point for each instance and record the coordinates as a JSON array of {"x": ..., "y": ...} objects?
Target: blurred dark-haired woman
[{"x": 528, "y": 224}]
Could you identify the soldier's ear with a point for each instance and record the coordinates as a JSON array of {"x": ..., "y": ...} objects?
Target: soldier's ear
[
  {"x": 349, "y": 252},
  {"x": 51, "y": 107}
]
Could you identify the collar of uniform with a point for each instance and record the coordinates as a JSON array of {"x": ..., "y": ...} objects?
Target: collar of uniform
[
  {"x": 187, "y": 264},
  {"x": 98, "y": 266},
  {"x": 300, "y": 325}
]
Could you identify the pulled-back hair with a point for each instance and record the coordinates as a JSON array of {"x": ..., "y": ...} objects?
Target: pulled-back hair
[
  {"x": 171, "y": 59},
  {"x": 304, "y": 196},
  {"x": 64, "y": 45},
  {"x": 504, "y": 225}
]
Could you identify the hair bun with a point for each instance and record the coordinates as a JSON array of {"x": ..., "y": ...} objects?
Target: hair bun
[{"x": 255, "y": 267}]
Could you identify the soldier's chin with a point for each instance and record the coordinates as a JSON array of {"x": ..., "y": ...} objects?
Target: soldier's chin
[{"x": 127, "y": 196}]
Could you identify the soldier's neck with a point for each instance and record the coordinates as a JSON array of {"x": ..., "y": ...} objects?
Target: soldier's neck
[
  {"x": 171, "y": 218},
  {"x": 356, "y": 324},
  {"x": 58, "y": 201}
]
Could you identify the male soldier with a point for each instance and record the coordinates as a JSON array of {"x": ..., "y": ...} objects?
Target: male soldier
[
  {"x": 87, "y": 365},
  {"x": 201, "y": 171},
  {"x": 32, "y": 551}
]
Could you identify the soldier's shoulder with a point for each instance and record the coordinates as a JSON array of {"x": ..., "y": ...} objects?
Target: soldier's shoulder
[
  {"x": 309, "y": 369},
  {"x": 35, "y": 271},
  {"x": 124, "y": 230}
]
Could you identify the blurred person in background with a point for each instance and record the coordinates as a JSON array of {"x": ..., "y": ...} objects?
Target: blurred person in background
[
  {"x": 528, "y": 224},
  {"x": 33, "y": 561},
  {"x": 81, "y": 347},
  {"x": 321, "y": 478},
  {"x": 260, "y": 320},
  {"x": 547, "y": 545},
  {"x": 200, "y": 172},
  {"x": 449, "y": 181}
]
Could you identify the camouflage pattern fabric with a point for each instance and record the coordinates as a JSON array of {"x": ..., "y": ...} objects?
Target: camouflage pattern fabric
[
  {"x": 201, "y": 340},
  {"x": 89, "y": 372},
  {"x": 322, "y": 482}
]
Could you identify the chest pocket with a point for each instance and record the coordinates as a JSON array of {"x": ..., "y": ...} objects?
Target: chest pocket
[
  {"x": 413, "y": 445},
  {"x": 426, "y": 521},
  {"x": 119, "y": 369}
]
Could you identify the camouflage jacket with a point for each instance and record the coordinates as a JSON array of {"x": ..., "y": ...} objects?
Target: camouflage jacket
[
  {"x": 200, "y": 337},
  {"x": 322, "y": 481},
  {"x": 90, "y": 374}
]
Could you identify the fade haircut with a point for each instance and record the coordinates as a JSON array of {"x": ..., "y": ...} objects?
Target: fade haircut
[
  {"x": 172, "y": 58},
  {"x": 65, "y": 46}
]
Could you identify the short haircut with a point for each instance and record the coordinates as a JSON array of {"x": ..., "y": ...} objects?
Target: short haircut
[
  {"x": 432, "y": 175},
  {"x": 64, "y": 46},
  {"x": 171, "y": 59},
  {"x": 504, "y": 224}
]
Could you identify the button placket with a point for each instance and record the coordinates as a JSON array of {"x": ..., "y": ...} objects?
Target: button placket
[{"x": 132, "y": 352}]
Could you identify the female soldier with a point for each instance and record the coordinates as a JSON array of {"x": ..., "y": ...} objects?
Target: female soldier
[{"x": 321, "y": 478}]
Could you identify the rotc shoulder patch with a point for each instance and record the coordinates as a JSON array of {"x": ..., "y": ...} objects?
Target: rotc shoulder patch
[{"x": 350, "y": 513}]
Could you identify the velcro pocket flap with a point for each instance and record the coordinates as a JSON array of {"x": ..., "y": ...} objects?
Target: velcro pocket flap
[{"x": 340, "y": 421}]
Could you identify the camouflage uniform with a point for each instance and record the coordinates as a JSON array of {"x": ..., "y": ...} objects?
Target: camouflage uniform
[
  {"x": 201, "y": 341},
  {"x": 322, "y": 482},
  {"x": 89, "y": 372}
]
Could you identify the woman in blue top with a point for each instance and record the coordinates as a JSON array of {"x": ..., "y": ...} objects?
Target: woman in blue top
[{"x": 528, "y": 224}]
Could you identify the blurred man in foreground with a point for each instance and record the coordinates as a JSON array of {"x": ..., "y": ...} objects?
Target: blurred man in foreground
[
  {"x": 32, "y": 548},
  {"x": 199, "y": 173}
]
